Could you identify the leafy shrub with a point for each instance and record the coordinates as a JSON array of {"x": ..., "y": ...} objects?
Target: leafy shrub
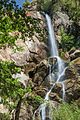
[
  {"x": 14, "y": 19},
  {"x": 67, "y": 40},
  {"x": 72, "y": 8},
  {"x": 10, "y": 88},
  {"x": 34, "y": 100}
]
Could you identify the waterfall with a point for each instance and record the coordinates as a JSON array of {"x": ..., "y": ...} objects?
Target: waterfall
[
  {"x": 60, "y": 68},
  {"x": 52, "y": 41}
]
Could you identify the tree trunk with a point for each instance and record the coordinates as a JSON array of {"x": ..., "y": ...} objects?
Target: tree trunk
[{"x": 17, "y": 112}]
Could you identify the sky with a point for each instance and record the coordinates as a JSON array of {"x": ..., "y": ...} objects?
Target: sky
[{"x": 20, "y": 2}]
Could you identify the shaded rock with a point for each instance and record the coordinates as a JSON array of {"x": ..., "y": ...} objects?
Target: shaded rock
[
  {"x": 70, "y": 73},
  {"x": 72, "y": 50},
  {"x": 74, "y": 55},
  {"x": 57, "y": 88},
  {"x": 72, "y": 90},
  {"x": 41, "y": 91},
  {"x": 46, "y": 83},
  {"x": 76, "y": 64},
  {"x": 26, "y": 112},
  {"x": 55, "y": 97},
  {"x": 39, "y": 73},
  {"x": 52, "y": 60},
  {"x": 76, "y": 61}
]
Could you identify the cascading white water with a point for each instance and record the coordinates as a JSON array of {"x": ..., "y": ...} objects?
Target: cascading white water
[
  {"x": 60, "y": 64},
  {"x": 53, "y": 45},
  {"x": 54, "y": 53}
]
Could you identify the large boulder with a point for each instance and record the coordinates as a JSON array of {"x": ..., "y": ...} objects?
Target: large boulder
[
  {"x": 33, "y": 52},
  {"x": 72, "y": 90}
]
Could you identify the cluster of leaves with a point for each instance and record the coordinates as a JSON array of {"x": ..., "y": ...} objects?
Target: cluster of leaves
[
  {"x": 34, "y": 100},
  {"x": 10, "y": 88},
  {"x": 42, "y": 5},
  {"x": 72, "y": 7},
  {"x": 14, "y": 19},
  {"x": 4, "y": 116},
  {"x": 67, "y": 112},
  {"x": 68, "y": 41}
]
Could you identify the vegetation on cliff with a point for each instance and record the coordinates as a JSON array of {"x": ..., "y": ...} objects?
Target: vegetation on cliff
[{"x": 17, "y": 23}]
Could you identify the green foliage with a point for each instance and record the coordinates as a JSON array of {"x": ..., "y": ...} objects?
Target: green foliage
[
  {"x": 13, "y": 19},
  {"x": 66, "y": 112},
  {"x": 38, "y": 99},
  {"x": 26, "y": 4},
  {"x": 67, "y": 41},
  {"x": 72, "y": 7},
  {"x": 43, "y": 5},
  {"x": 4, "y": 116},
  {"x": 10, "y": 89},
  {"x": 34, "y": 100}
]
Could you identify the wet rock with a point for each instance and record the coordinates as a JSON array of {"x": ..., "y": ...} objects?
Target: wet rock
[{"x": 52, "y": 60}]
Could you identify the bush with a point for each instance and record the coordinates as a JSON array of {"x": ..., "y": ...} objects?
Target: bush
[{"x": 67, "y": 41}]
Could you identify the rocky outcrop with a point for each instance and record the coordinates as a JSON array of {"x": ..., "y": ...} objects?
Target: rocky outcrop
[
  {"x": 33, "y": 52},
  {"x": 74, "y": 54},
  {"x": 26, "y": 112},
  {"x": 61, "y": 20},
  {"x": 71, "y": 83}
]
